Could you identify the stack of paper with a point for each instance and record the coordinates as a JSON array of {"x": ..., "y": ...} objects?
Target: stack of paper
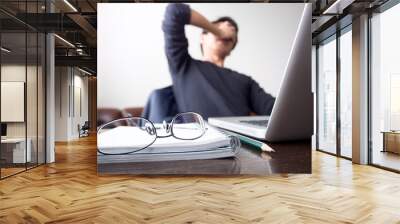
[{"x": 213, "y": 144}]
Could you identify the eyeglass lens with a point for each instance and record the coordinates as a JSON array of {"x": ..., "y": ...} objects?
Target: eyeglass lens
[
  {"x": 188, "y": 126},
  {"x": 126, "y": 136}
]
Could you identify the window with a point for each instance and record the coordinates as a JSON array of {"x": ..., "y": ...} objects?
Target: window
[
  {"x": 346, "y": 92},
  {"x": 327, "y": 96},
  {"x": 334, "y": 66},
  {"x": 385, "y": 89}
]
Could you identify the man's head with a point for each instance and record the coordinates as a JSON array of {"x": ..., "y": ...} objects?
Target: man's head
[{"x": 222, "y": 47}]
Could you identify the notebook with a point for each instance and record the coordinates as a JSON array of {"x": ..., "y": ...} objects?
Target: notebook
[{"x": 213, "y": 144}]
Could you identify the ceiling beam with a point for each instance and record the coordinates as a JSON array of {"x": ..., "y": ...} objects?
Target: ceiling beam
[
  {"x": 86, "y": 26},
  {"x": 337, "y": 7},
  {"x": 83, "y": 61},
  {"x": 73, "y": 13}
]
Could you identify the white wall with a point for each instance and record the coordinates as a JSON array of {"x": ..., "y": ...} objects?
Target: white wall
[
  {"x": 131, "y": 60},
  {"x": 61, "y": 103},
  {"x": 33, "y": 126},
  {"x": 68, "y": 82},
  {"x": 18, "y": 73},
  {"x": 80, "y": 83}
]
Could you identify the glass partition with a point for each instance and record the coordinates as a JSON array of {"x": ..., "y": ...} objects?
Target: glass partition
[
  {"x": 14, "y": 154},
  {"x": 31, "y": 100},
  {"x": 22, "y": 63}
]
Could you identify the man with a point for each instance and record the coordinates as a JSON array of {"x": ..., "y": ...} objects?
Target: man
[{"x": 206, "y": 87}]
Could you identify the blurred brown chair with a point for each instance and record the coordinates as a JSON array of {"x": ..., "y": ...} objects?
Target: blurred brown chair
[
  {"x": 105, "y": 115},
  {"x": 132, "y": 112}
]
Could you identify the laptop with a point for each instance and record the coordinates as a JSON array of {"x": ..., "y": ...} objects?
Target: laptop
[{"x": 292, "y": 115}]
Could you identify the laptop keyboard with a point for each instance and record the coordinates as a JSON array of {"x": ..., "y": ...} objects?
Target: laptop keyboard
[{"x": 257, "y": 122}]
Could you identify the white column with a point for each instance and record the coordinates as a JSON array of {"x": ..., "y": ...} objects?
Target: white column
[
  {"x": 50, "y": 98},
  {"x": 50, "y": 92},
  {"x": 360, "y": 90}
]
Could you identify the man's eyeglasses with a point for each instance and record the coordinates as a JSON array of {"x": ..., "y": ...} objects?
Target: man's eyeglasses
[{"x": 129, "y": 135}]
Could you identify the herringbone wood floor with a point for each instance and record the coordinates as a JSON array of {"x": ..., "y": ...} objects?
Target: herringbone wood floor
[{"x": 70, "y": 191}]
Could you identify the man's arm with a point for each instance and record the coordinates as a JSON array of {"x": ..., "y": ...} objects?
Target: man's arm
[
  {"x": 199, "y": 20},
  {"x": 176, "y": 44},
  {"x": 261, "y": 102}
]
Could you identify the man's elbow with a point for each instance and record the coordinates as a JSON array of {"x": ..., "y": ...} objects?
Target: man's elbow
[
  {"x": 177, "y": 13},
  {"x": 172, "y": 8}
]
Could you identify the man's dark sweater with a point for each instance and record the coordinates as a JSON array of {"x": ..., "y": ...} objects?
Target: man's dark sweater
[{"x": 204, "y": 87}]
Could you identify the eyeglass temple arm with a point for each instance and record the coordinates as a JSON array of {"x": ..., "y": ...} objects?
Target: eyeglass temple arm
[{"x": 164, "y": 136}]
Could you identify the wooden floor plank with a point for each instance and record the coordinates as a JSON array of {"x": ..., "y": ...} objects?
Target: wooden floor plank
[{"x": 70, "y": 191}]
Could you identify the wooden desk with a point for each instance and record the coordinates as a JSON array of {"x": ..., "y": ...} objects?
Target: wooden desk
[
  {"x": 291, "y": 157},
  {"x": 391, "y": 141},
  {"x": 13, "y": 150}
]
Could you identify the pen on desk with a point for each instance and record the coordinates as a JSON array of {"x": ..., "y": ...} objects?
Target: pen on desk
[{"x": 250, "y": 141}]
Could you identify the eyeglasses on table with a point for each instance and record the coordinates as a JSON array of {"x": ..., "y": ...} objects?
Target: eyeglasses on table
[{"x": 133, "y": 134}]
